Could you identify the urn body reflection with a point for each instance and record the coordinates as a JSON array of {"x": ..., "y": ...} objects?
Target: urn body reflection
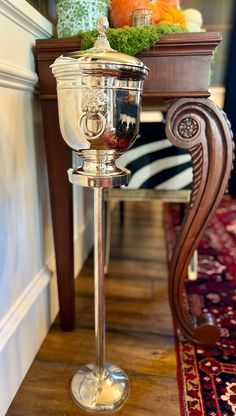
[{"x": 99, "y": 117}]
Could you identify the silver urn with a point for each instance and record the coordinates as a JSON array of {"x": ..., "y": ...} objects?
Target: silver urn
[{"x": 99, "y": 101}]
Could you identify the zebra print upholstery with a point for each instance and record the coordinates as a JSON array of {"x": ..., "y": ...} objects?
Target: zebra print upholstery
[{"x": 155, "y": 163}]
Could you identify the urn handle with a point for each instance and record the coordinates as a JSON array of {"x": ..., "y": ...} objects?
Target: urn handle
[
  {"x": 93, "y": 125},
  {"x": 92, "y": 121}
]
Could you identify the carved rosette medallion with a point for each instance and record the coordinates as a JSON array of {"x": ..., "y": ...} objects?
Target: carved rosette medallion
[{"x": 188, "y": 128}]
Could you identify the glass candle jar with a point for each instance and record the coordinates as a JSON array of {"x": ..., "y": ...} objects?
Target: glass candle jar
[{"x": 141, "y": 17}]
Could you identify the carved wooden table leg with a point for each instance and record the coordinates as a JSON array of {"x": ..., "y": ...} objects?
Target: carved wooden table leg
[{"x": 199, "y": 126}]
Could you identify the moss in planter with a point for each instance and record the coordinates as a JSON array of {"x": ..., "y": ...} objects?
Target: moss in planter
[{"x": 131, "y": 40}]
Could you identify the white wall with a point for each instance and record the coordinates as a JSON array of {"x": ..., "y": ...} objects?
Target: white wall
[{"x": 28, "y": 293}]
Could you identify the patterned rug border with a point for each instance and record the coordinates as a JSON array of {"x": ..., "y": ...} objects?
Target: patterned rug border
[{"x": 183, "y": 402}]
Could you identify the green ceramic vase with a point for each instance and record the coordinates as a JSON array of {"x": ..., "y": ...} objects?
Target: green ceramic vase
[{"x": 76, "y": 15}]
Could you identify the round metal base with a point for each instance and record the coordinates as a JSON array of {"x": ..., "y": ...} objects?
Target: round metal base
[{"x": 100, "y": 393}]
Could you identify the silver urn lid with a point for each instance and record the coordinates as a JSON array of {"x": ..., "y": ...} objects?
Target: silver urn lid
[{"x": 101, "y": 60}]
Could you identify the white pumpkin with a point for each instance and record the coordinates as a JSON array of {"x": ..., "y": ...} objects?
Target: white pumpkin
[{"x": 194, "y": 20}]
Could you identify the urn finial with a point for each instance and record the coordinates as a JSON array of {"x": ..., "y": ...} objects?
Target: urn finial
[
  {"x": 102, "y": 44},
  {"x": 102, "y": 24}
]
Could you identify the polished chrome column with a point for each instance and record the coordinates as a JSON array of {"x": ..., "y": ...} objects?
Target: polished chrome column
[{"x": 99, "y": 289}]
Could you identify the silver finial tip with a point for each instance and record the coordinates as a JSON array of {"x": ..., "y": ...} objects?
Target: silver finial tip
[{"x": 102, "y": 24}]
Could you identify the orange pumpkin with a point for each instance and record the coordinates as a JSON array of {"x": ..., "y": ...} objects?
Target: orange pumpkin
[
  {"x": 121, "y": 11},
  {"x": 170, "y": 14}
]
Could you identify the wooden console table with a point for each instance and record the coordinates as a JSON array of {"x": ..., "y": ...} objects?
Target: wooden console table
[{"x": 179, "y": 74}]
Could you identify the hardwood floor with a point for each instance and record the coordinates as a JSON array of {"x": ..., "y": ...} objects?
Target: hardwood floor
[{"x": 139, "y": 334}]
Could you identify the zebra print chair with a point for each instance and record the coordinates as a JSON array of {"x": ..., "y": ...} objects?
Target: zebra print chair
[
  {"x": 159, "y": 170},
  {"x": 155, "y": 163}
]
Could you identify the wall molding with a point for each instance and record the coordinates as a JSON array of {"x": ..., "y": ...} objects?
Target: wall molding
[
  {"x": 25, "y": 16},
  {"x": 17, "y": 78},
  {"x": 20, "y": 308},
  {"x": 22, "y": 330}
]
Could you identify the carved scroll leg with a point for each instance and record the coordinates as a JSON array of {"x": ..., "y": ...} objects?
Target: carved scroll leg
[{"x": 199, "y": 126}]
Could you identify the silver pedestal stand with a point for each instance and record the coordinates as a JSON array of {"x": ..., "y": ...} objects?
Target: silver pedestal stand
[
  {"x": 99, "y": 97},
  {"x": 99, "y": 387}
]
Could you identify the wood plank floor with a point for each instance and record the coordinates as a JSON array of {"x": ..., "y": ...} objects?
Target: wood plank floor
[{"x": 139, "y": 327}]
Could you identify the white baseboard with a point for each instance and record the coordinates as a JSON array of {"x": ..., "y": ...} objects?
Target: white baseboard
[{"x": 22, "y": 331}]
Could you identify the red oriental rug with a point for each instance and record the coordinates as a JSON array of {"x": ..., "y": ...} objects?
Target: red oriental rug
[{"x": 207, "y": 375}]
